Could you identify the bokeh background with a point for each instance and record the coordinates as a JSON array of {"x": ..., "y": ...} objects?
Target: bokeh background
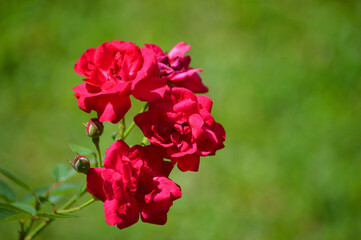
[{"x": 285, "y": 78}]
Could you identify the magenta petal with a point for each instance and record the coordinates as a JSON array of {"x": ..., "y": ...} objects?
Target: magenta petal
[
  {"x": 94, "y": 182},
  {"x": 184, "y": 75},
  {"x": 179, "y": 50},
  {"x": 196, "y": 123},
  {"x": 121, "y": 214}
]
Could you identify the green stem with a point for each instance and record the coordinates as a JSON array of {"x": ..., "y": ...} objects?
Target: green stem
[
  {"x": 77, "y": 208},
  {"x": 42, "y": 225},
  {"x": 144, "y": 141},
  {"x": 130, "y": 128},
  {"x": 96, "y": 143},
  {"x": 22, "y": 232},
  {"x": 122, "y": 127}
]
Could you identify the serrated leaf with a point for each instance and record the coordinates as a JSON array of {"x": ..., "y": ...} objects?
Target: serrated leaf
[
  {"x": 6, "y": 192},
  {"x": 15, "y": 179},
  {"x": 57, "y": 215},
  {"x": 62, "y": 172},
  {"x": 15, "y": 218},
  {"x": 81, "y": 150}
]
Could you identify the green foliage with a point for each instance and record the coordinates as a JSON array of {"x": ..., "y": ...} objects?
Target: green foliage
[
  {"x": 7, "y": 193},
  {"x": 55, "y": 216},
  {"x": 62, "y": 172},
  {"x": 15, "y": 179},
  {"x": 81, "y": 150},
  {"x": 285, "y": 80},
  {"x": 19, "y": 208}
]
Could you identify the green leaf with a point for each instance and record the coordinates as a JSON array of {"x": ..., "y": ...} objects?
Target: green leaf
[
  {"x": 19, "y": 208},
  {"x": 16, "y": 180},
  {"x": 61, "y": 172},
  {"x": 14, "y": 218},
  {"x": 26, "y": 208},
  {"x": 81, "y": 150},
  {"x": 6, "y": 213},
  {"x": 28, "y": 198},
  {"x": 6, "y": 192},
  {"x": 57, "y": 215},
  {"x": 65, "y": 188}
]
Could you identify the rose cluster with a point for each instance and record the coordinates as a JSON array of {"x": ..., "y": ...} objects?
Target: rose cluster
[{"x": 134, "y": 181}]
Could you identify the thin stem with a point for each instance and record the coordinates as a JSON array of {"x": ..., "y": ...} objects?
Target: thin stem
[
  {"x": 96, "y": 143},
  {"x": 77, "y": 208},
  {"x": 144, "y": 141},
  {"x": 122, "y": 127},
  {"x": 22, "y": 231},
  {"x": 42, "y": 225},
  {"x": 130, "y": 128}
]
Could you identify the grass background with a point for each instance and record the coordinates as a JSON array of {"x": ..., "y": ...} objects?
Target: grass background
[{"x": 285, "y": 80}]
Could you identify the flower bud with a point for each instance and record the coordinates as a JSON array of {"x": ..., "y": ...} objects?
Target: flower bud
[
  {"x": 81, "y": 164},
  {"x": 94, "y": 128}
]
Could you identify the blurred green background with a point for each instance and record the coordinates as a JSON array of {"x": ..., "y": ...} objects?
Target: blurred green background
[{"x": 285, "y": 78}]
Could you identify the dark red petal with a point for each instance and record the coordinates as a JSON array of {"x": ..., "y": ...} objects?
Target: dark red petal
[
  {"x": 155, "y": 213},
  {"x": 121, "y": 214},
  {"x": 95, "y": 182},
  {"x": 205, "y": 102},
  {"x": 85, "y": 65},
  {"x": 150, "y": 89},
  {"x": 110, "y": 107},
  {"x": 187, "y": 163},
  {"x": 113, "y": 155},
  {"x": 156, "y": 49}
]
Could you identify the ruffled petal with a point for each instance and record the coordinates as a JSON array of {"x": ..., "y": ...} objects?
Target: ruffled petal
[
  {"x": 179, "y": 50},
  {"x": 121, "y": 214}
]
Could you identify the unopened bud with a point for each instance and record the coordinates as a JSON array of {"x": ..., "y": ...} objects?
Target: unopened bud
[
  {"x": 81, "y": 164},
  {"x": 94, "y": 128}
]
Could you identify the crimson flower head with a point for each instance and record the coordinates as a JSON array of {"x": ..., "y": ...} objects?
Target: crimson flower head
[
  {"x": 182, "y": 126},
  {"x": 134, "y": 182},
  {"x": 113, "y": 71},
  {"x": 174, "y": 67}
]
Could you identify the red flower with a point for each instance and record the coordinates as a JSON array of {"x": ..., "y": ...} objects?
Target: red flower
[
  {"x": 134, "y": 181},
  {"x": 174, "y": 67},
  {"x": 113, "y": 71},
  {"x": 181, "y": 124}
]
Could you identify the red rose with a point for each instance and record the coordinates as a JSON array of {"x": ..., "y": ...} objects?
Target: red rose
[
  {"x": 134, "y": 181},
  {"x": 174, "y": 67},
  {"x": 181, "y": 124},
  {"x": 113, "y": 71}
]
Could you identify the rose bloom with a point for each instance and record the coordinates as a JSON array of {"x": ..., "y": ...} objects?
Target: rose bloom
[
  {"x": 174, "y": 67},
  {"x": 182, "y": 125},
  {"x": 134, "y": 181},
  {"x": 113, "y": 71}
]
